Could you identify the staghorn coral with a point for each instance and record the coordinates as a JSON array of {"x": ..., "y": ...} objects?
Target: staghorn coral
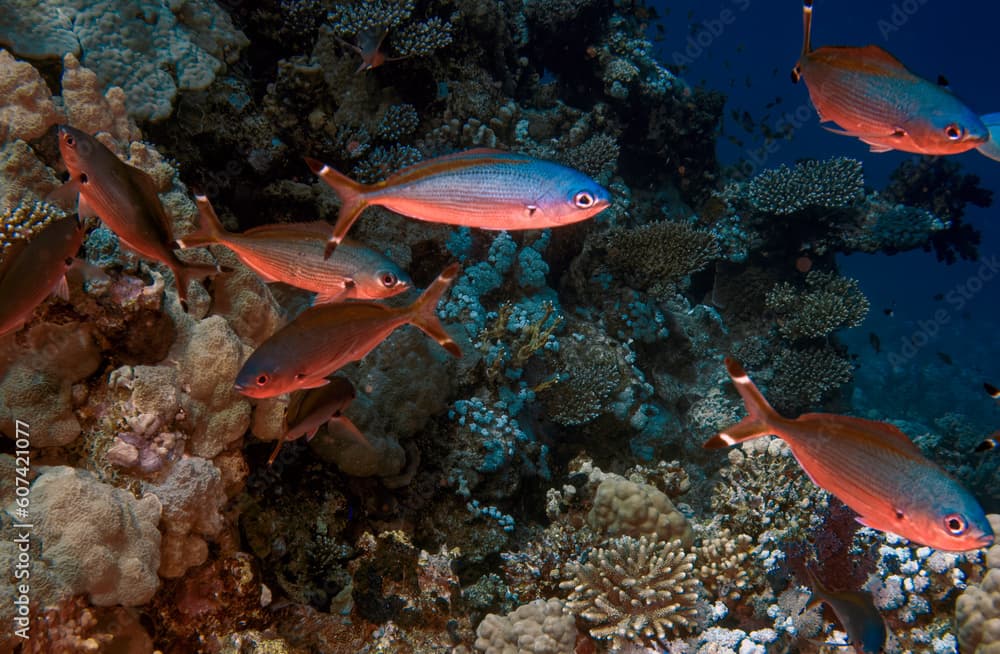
[
  {"x": 538, "y": 627},
  {"x": 977, "y": 610},
  {"x": 634, "y": 590},
  {"x": 832, "y": 184},
  {"x": 828, "y": 302},
  {"x": 25, "y": 220},
  {"x": 803, "y": 376},
  {"x": 658, "y": 256},
  {"x": 721, "y": 564},
  {"x": 636, "y": 509}
]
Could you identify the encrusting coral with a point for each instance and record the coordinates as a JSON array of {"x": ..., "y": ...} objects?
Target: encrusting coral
[{"x": 623, "y": 507}]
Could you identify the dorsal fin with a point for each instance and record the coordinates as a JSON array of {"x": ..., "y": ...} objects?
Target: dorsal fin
[{"x": 887, "y": 432}]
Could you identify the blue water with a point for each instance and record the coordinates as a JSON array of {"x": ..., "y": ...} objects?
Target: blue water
[{"x": 751, "y": 48}]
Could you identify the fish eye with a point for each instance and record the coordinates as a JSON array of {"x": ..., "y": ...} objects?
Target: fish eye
[
  {"x": 262, "y": 379},
  {"x": 584, "y": 200},
  {"x": 389, "y": 280},
  {"x": 956, "y": 524},
  {"x": 954, "y": 132},
  {"x": 70, "y": 141}
]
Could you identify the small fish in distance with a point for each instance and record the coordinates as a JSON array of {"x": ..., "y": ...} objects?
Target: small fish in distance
[
  {"x": 33, "y": 268},
  {"x": 872, "y": 96},
  {"x": 872, "y": 467},
  {"x": 293, "y": 254},
  {"x": 857, "y": 614},
  {"x": 310, "y": 409},
  {"x": 993, "y": 441},
  {"x": 489, "y": 189},
  {"x": 327, "y": 337},
  {"x": 125, "y": 199}
]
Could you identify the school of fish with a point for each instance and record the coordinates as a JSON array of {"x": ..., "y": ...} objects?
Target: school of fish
[{"x": 871, "y": 466}]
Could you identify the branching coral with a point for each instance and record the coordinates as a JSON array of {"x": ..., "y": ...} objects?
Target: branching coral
[
  {"x": 634, "y": 590},
  {"x": 368, "y": 23},
  {"x": 803, "y": 376},
  {"x": 831, "y": 184},
  {"x": 829, "y": 302},
  {"x": 659, "y": 255}
]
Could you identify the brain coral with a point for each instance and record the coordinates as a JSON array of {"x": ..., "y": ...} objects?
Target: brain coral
[
  {"x": 828, "y": 302},
  {"x": 831, "y": 184},
  {"x": 539, "y": 627},
  {"x": 634, "y": 590}
]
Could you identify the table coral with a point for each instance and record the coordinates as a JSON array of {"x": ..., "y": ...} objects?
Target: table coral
[
  {"x": 538, "y": 627},
  {"x": 634, "y": 590},
  {"x": 802, "y": 377}
]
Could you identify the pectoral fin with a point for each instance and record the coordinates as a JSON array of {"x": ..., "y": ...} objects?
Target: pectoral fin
[
  {"x": 65, "y": 196},
  {"x": 61, "y": 289},
  {"x": 332, "y": 295}
]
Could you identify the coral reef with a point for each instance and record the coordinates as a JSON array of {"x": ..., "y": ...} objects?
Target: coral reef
[
  {"x": 833, "y": 184},
  {"x": 827, "y": 303},
  {"x": 977, "y": 610},
  {"x": 539, "y": 627}
]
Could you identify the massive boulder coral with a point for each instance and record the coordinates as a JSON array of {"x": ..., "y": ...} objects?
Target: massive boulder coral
[
  {"x": 538, "y": 627},
  {"x": 623, "y": 507},
  {"x": 96, "y": 539},
  {"x": 151, "y": 50},
  {"x": 26, "y": 107},
  {"x": 978, "y": 609}
]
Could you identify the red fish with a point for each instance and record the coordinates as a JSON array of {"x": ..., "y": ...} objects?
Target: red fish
[
  {"x": 327, "y": 337},
  {"x": 481, "y": 188},
  {"x": 33, "y": 267},
  {"x": 310, "y": 409},
  {"x": 293, "y": 254},
  {"x": 872, "y": 467},
  {"x": 125, "y": 199},
  {"x": 872, "y": 96}
]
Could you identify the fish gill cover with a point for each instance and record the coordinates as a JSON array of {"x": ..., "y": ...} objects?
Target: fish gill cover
[{"x": 546, "y": 491}]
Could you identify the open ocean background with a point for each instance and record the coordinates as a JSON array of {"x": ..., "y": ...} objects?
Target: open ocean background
[{"x": 749, "y": 56}]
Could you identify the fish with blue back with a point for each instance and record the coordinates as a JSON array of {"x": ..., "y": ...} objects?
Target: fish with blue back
[
  {"x": 872, "y": 96},
  {"x": 872, "y": 467},
  {"x": 488, "y": 189},
  {"x": 857, "y": 614},
  {"x": 292, "y": 253}
]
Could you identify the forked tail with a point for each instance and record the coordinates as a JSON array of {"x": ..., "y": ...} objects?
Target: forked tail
[
  {"x": 352, "y": 201},
  {"x": 991, "y": 148},
  {"x": 210, "y": 230},
  {"x": 761, "y": 420},
  {"x": 424, "y": 310}
]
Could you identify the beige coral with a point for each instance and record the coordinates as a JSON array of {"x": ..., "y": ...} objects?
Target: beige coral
[
  {"x": 827, "y": 303},
  {"x": 539, "y": 627},
  {"x": 634, "y": 590},
  {"x": 623, "y": 507},
  {"x": 26, "y": 107},
  {"x": 978, "y": 608}
]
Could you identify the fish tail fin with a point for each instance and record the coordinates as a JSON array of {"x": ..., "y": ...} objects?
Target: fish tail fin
[
  {"x": 210, "y": 229},
  {"x": 991, "y": 148},
  {"x": 424, "y": 310},
  {"x": 352, "y": 201},
  {"x": 762, "y": 417},
  {"x": 185, "y": 273}
]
